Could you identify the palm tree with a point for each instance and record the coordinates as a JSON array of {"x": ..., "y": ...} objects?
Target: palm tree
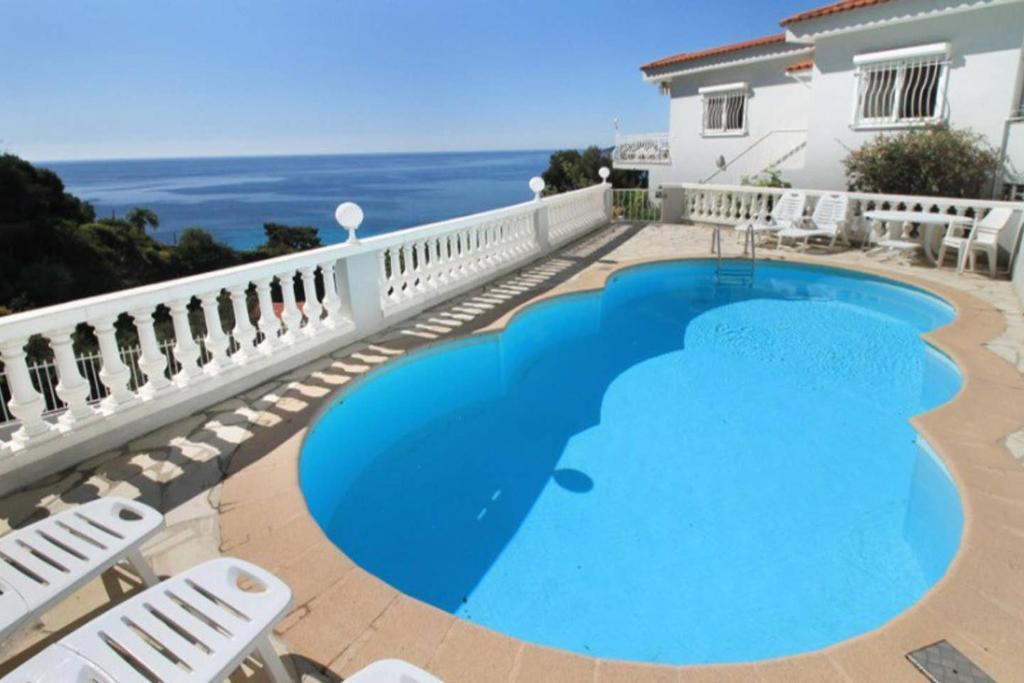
[{"x": 140, "y": 218}]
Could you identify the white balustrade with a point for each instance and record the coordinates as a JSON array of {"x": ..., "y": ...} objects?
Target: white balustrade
[
  {"x": 574, "y": 213},
  {"x": 736, "y": 204},
  {"x": 364, "y": 285}
]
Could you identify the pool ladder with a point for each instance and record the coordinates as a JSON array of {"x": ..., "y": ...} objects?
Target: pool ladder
[{"x": 734, "y": 271}]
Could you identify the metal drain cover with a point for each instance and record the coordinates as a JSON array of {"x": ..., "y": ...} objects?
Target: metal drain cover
[{"x": 942, "y": 663}]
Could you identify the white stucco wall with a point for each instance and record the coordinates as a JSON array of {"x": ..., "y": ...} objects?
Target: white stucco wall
[
  {"x": 986, "y": 47},
  {"x": 983, "y": 89},
  {"x": 776, "y": 103}
]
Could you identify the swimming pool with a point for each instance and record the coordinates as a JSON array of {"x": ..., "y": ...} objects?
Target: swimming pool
[{"x": 667, "y": 470}]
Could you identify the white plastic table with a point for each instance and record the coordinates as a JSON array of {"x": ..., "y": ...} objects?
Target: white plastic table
[{"x": 931, "y": 222}]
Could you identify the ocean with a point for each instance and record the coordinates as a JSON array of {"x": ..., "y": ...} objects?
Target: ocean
[{"x": 234, "y": 197}]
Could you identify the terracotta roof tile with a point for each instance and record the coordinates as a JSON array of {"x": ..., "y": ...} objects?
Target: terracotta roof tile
[
  {"x": 711, "y": 52},
  {"x": 834, "y": 8},
  {"x": 802, "y": 65}
]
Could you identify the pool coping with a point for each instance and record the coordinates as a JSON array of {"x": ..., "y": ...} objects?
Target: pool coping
[{"x": 346, "y": 617}]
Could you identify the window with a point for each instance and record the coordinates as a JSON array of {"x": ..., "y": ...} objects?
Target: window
[
  {"x": 725, "y": 109},
  {"x": 901, "y": 87}
]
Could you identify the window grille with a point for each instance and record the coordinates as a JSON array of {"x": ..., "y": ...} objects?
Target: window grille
[
  {"x": 904, "y": 91},
  {"x": 725, "y": 110}
]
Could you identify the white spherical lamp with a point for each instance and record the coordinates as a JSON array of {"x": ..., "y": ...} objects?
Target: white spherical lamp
[
  {"x": 349, "y": 216},
  {"x": 604, "y": 173},
  {"x": 537, "y": 186}
]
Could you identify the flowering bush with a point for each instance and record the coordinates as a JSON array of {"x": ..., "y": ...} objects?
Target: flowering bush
[{"x": 942, "y": 162}]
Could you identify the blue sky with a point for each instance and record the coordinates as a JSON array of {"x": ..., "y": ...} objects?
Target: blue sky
[{"x": 88, "y": 79}]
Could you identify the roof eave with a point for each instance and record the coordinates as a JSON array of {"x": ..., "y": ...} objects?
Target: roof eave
[
  {"x": 807, "y": 31},
  {"x": 677, "y": 73}
]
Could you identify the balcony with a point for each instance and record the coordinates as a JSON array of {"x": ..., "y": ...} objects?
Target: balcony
[{"x": 641, "y": 151}]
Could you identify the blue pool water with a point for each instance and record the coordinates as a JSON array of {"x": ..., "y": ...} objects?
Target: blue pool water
[{"x": 667, "y": 470}]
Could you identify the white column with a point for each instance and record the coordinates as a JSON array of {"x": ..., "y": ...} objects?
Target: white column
[
  {"x": 268, "y": 322},
  {"x": 290, "y": 313},
  {"x": 244, "y": 332},
  {"x": 332, "y": 302},
  {"x": 152, "y": 360},
  {"x": 72, "y": 387},
  {"x": 186, "y": 351},
  {"x": 114, "y": 374},
  {"x": 216, "y": 340},
  {"x": 361, "y": 279},
  {"x": 313, "y": 309},
  {"x": 26, "y": 403}
]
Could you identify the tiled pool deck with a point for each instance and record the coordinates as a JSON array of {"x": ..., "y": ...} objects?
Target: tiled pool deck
[{"x": 227, "y": 481}]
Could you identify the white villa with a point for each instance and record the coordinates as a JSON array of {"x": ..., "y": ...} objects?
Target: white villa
[{"x": 799, "y": 100}]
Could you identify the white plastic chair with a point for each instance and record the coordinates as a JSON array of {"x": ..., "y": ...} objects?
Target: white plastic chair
[
  {"x": 828, "y": 220},
  {"x": 787, "y": 212},
  {"x": 983, "y": 236},
  {"x": 47, "y": 561},
  {"x": 392, "y": 671},
  {"x": 196, "y": 626}
]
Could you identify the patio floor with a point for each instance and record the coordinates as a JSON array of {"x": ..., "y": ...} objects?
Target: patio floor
[{"x": 227, "y": 481}]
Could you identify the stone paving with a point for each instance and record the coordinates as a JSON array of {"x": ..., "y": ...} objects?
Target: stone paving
[{"x": 213, "y": 477}]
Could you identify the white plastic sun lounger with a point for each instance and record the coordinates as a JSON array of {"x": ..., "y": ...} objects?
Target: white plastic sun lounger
[
  {"x": 828, "y": 221},
  {"x": 197, "y": 626},
  {"x": 787, "y": 212},
  {"x": 47, "y": 561},
  {"x": 392, "y": 671}
]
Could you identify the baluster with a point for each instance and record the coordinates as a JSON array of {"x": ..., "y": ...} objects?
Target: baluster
[
  {"x": 443, "y": 260},
  {"x": 26, "y": 403},
  {"x": 186, "y": 351},
  {"x": 216, "y": 341},
  {"x": 386, "y": 270},
  {"x": 152, "y": 361},
  {"x": 243, "y": 332},
  {"x": 313, "y": 309},
  {"x": 332, "y": 301},
  {"x": 114, "y": 374},
  {"x": 72, "y": 388},
  {"x": 419, "y": 269},
  {"x": 269, "y": 324},
  {"x": 291, "y": 315},
  {"x": 405, "y": 280}
]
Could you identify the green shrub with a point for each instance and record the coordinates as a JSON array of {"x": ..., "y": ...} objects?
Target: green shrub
[{"x": 941, "y": 162}]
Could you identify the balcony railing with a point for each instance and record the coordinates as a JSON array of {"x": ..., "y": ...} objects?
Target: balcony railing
[
  {"x": 649, "y": 149},
  {"x": 736, "y": 204},
  {"x": 89, "y": 375}
]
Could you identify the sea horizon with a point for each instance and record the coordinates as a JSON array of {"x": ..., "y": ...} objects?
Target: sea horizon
[
  {"x": 232, "y": 197},
  {"x": 285, "y": 155}
]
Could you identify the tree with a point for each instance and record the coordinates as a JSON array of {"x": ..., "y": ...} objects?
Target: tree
[
  {"x": 198, "y": 252},
  {"x": 141, "y": 218},
  {"x": 934, "y": 161},
  {"x": 568, "y": 169},
  {"x": 286, "y": 239}
]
